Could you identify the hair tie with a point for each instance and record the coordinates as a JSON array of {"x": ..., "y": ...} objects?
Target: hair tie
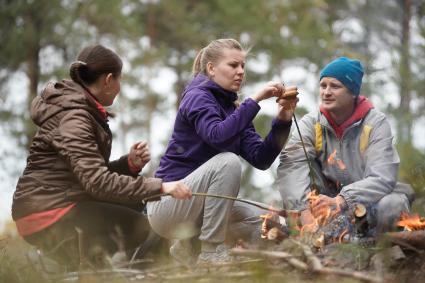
[{"x": 80, "y": 62}]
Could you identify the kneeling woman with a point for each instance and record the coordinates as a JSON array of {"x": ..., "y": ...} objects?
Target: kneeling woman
[
  {"x": 210, "y": 132},
  {"x": 69, "y": 184}
]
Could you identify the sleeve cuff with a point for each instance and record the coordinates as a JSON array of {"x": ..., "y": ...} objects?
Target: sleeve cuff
[
  {"x": 252, "y": 102},
  {"x": 281, "y": 124},
  {"x": 132, "y": 167}
]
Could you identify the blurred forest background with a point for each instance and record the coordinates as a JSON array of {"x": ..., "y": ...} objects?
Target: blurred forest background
[{"x": 158, "y": 40}]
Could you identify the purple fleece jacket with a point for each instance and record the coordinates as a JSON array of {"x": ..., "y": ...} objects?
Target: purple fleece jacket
[{"x": 208, "y": 123}]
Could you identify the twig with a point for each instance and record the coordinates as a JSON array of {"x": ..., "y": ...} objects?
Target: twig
[
  {"x": 119, "y": 272},
  {"x": 238, "y": 274},
  {"x": 413, "y": 238},
  {"x": 273, "y": 255},
  {"x": 407, "y": 246},
  {"x": 131, "y": 263},
  {"x": 317, "y": 267}
]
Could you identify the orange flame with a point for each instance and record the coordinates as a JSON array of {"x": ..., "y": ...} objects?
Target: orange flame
[
  {"x": 324, "y": 217},
  {"x": 333, "y": 160},
  {"x": 264, "y": 229},
  {"x": 411, "y": 222},
  {"x": 341, "y": 164},
  {"x": 270, "y": 216}
]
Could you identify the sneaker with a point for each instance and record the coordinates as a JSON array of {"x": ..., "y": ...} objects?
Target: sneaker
[
  {"x": 219, "y": 257},
  {"x": 182, "y": 251}
]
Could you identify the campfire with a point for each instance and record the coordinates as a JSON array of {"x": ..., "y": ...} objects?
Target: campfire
[
  {"x": 411, "y": 222},
  {"x": 331, "y": 225},
  {"x": 272, "y": 229}
]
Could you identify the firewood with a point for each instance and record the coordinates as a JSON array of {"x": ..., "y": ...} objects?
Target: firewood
[
  {"x": 359, "y": 210},
  {"x": 275, "y": 234},
  {"x": 413, "y": 238},
  {"x": 360, "y": 220},
  {"x": 319, "y": 242},
  {"x": 271, "y": 229}
]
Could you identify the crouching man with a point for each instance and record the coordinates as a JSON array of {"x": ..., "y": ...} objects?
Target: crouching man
[{"x": 349, "y": 143}]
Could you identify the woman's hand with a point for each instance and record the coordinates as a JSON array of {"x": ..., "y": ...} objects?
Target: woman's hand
[
  {"x": 271, "y": 89},
  {"x": 139, "y": 154},
  {"x": 287, "y": 103},
  {"x": 177, "y": 190}
]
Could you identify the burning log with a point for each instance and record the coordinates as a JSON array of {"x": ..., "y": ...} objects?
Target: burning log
[
  {"x": 275, "y": 234},
  {"x": 412, "y": 238},
  {"x": 411, "y": 222},
  {"x": 271, "y": 229},
  {"x": 361, "y": 224},
  {"x": 319, "y": 242},
  {"x": 334, "y": 231}
]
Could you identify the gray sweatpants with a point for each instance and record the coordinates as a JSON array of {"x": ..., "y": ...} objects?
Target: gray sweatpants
[{"x": 214, "y": 220}]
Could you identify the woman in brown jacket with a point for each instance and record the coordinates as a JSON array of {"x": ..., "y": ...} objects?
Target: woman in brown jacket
[{"x": 69, "y": 187}]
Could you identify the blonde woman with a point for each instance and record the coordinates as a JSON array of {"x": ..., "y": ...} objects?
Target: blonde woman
[{"x": 210, "y": 132}]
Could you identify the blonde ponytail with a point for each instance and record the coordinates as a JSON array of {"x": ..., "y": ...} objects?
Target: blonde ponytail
[{"x": 212, "y": 53}]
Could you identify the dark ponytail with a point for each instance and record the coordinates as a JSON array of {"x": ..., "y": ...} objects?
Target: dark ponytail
[{"x": 92, "y": 62}]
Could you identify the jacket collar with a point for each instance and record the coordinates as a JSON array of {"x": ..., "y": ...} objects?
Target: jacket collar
[
  {"x": 204, "y": 82},
  {"x": 100, "y": 108},
  {"x": 362, "y": 109}
]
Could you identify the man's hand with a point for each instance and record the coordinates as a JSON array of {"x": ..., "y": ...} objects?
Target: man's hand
[
  {"x": 324, "y": 205},
  {"x": 308, "y": 222}
]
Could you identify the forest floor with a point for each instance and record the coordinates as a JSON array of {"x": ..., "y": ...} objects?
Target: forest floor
[
  {"x": 295, "y": 259},
  {"x": 291, "y": 260}
]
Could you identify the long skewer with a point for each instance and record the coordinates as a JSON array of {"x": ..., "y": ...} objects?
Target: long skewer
[
  {"x": 280, "y": 212},
  {"x": 291, "y": 94},
  {"x": 310, "y": 168}
]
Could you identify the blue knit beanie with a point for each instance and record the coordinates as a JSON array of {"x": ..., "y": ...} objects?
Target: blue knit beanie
[{"x": 348, "y": 71}]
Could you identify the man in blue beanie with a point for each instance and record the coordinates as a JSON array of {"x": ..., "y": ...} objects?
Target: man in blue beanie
[
  {"x": 350, "y": 145},
  {"x": 349, "y": 72}
]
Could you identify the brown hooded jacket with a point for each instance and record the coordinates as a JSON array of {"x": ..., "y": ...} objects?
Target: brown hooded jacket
[{"x": 69, "y": 157}]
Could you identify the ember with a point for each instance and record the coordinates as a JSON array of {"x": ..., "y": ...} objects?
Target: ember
[
  {"x": 272, "y": 229},
  {"x": 334, "y": 225},
  {"x": 411, "y": 222}
]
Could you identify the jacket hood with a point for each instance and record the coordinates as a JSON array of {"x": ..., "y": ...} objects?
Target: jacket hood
[
  {"x": 60, "y": 96},
  {"x": 362, "y": 109},
  {"x": 203, "y": 82}
]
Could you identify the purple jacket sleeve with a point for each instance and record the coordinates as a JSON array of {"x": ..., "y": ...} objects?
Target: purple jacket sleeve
[
  {"x": 261, "y": 154},
  {"x": 203, "y": 110}
]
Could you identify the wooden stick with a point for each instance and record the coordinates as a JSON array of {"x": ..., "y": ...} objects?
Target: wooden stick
[
  {"x": 275, "y": 234},
  {"x": 413, "y": 238},
  {"x": 314, "y": 187},
  {"x": 407, "y": 246},
  {"x": 273, "y": 255},
  {"x": 237, "y": 274},
  {"x": 317, "y": 267},
  {"x": 281, "y": 212}
]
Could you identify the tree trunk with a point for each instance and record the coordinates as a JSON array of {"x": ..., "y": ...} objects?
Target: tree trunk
[
  {"x": 32, "y": 41},
  {"x": 180, "y": 83},
  {"x": 404, "y": 126}
]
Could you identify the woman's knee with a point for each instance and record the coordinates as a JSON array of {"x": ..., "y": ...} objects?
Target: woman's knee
[{"x": 230, "y": 163}]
